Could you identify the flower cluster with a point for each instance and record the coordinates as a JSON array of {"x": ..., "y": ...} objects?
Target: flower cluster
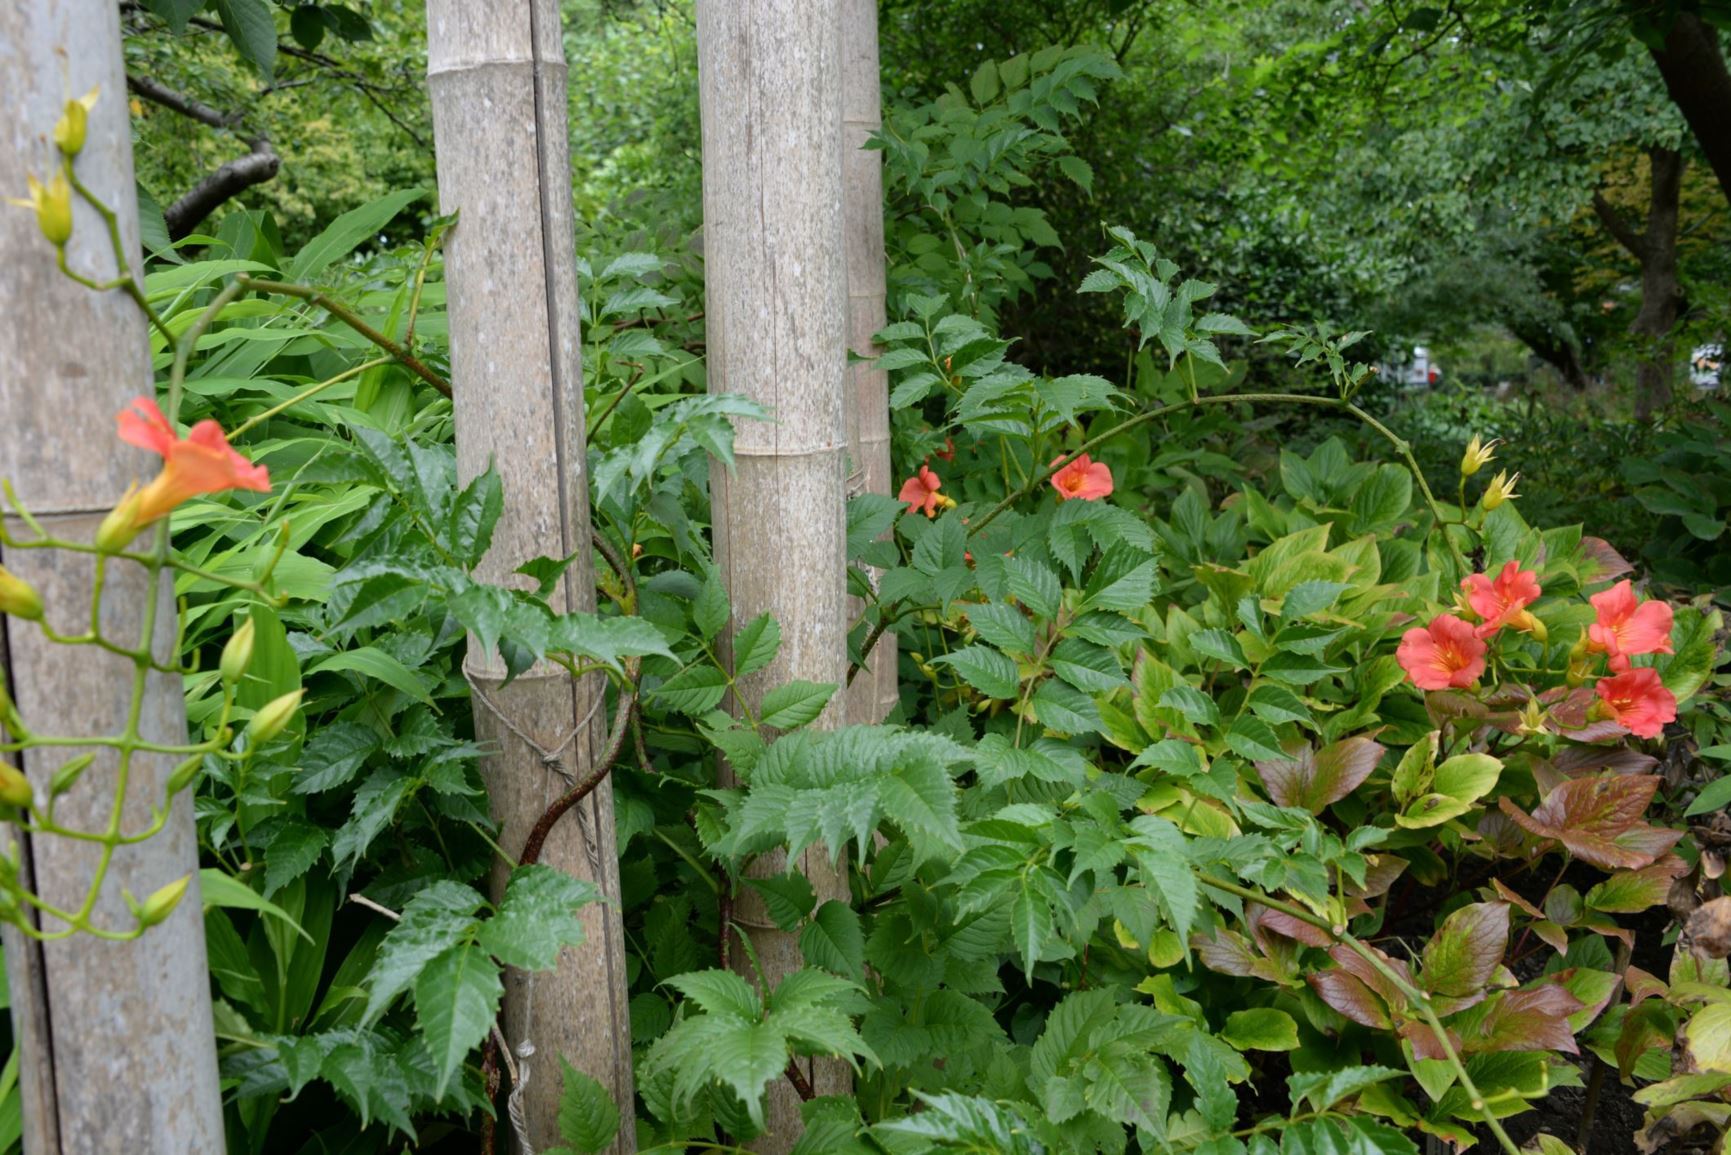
[
  {"x": 1450, "y": 652},
  {"x": 1081, "y": 479}
]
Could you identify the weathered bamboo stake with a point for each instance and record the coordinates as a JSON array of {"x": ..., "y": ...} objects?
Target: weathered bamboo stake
[
  {"x": 118, "y": 1054},
  {"x": 873, "y": 693},
  {"x": 769, "y": 79},
  {"x": 497, "y": 76}
]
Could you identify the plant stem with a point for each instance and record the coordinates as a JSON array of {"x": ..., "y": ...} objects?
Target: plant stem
[{"x": 348, "y": 317}]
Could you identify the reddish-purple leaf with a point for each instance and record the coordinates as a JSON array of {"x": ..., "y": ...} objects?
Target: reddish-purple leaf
[
  {"x": 1424, "y": 1041},
  {"x": 1529, "y": 1020},
  {"x": 1577, "y": 761},
  {"x": 1360, "y": 968},
  {"x": 1598, "y": 820},
  {"x": 1466, "y": 949},
  {"x": 1293, "y": 928},
  {"x": 1231, "y": 953},
  {"x": 1312, "y": 780},
  {"x": 1346, "y": 994}
]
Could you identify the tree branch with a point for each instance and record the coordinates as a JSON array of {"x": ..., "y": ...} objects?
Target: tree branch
[
  {"x": 228, "y": 180},
  {"x": 1618, "y": 226},
  {"x": 187, "y": 106}
]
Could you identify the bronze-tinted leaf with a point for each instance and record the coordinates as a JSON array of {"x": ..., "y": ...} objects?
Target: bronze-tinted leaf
[
  {"x": 1312, "y": 780},
  {"x": 1295, "y": 928},
  {"x": 1600, "y": 561},
  {"x": 1632, "y": 891},
  {"x": 1466, "y": 949},
  {"x": 1346, "y": 994},
  {"x": 1529, "y": 1020},
  {"x": 1598, "y": 820},
  {"x": 1231, "y": 953},
  {"x": 1425, "y": 1044}
]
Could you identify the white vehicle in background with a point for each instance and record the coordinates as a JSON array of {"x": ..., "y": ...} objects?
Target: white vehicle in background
[
  {"x": 1420, "y": 372},
  {"x": 1705, "y": 364}
]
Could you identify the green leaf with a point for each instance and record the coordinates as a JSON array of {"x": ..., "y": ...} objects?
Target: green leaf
[
  {"x": 1326, "y": 1088},
  {"x": 984, "y": 83},
  {"x": 1716, "y": 796},
  {"x": 252, "y": 28},
  {"x": 435, "y": 920},
  {"x": 710, "y": 610},
  {"x": 718, "y": 992},
  {"x": 1034, "y": 586},
  {"x": 1219, "y": 645},
  {"x": 794, "y": 704},
  {"x": 1167, "y": 871},
  {"x": 372, "y": 662},
  {"x": 746, "y": 1056},
  {"x": 349, "y": 231},
  {"x": 1261, "y": 1029},
  {"x": 1693, "y": 638},
  {"x": 1077, "y": 170},
  {"x": 1196, "y": 706},
  {"x": 291, "y": 853},
  {"x": 788, "y": 897},
  {"x": 695, "y": 690},
  {"x": 755, "y": 645},
  {"x": 833, "y": 940},
  {"x": 218, "y": 889},
  {"x": 588, "y": 1118},
  {"x": 456, "y": 1000},
  {"x": 985, "y": 669},
  {"x": 537, "y": 916}
]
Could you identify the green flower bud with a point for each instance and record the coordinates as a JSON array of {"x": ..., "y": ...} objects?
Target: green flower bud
[
  {"x": 273, "y": 717},
  {"x": 18, "y": 598},
  {"x": 68, "y": 774},
  {"x": 184, "y": 774},
  {"x": 237, "y": 655},
  {"x": 160, "y": 905},
  {"x": 121, "y": 525}
]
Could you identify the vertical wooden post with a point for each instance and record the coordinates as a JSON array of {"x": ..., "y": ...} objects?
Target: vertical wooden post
[
  {"x": 769, "y": 77},
  {"x": 874, "y": 692},
  {"x": 497, "y": 76},
  {"x": 117, "y": 1050}
]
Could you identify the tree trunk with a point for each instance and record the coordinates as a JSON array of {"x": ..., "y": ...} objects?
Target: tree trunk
[
  {"x": 1693, "y": 67},
  {"x": 117, "y": 1048},
  {"x": 1661, "y": 294},
  {"x": 874, "y": 692},
  {"x": 1557, "y": 352},
  {"x": 497, "y": 76},
  {"x": 770, "y": 87}
]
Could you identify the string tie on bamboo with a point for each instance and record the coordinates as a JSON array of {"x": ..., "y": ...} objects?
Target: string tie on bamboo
[{"x": 553, "y": 757}]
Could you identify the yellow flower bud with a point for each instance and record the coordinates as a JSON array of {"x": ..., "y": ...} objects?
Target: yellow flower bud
[
  {"x": 69, "y": 130},
  {"x": 121, "y": 525},
  {"x": 1477, "y": 456},
  {"x": 237, "y": 655},
  {"x": 53, "y": 207},
  {"x": 160, "y": 905},
  {"x": 273, "y": 717},
  {"x": 18, "y": 598},
  {"x": 15, "y": 789},
  {"x": 1501, "y": 489}
]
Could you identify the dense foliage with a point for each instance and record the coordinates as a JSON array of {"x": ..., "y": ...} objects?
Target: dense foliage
[{"x": 1270, "y": 774}]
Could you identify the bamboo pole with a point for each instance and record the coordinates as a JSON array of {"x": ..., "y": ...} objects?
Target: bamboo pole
[
  {"x": 117, "y": 1047},
  {"x": 497, "y": 76},
  {"x": 769, "y": 78},
  {"x": 874, "y": 691}
]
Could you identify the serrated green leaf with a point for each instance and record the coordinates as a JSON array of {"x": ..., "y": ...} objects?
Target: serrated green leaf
[
  {"x": 537, "y": 917},
  {"x": 755, "y": 645},
  {"x": 985, "y": 669},
  {"x": 588, "y": 1118},
  {"x": 794, "y": 704},
  {"x": 457, "y": 998},
  {"x": 833, "y": 940}
]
